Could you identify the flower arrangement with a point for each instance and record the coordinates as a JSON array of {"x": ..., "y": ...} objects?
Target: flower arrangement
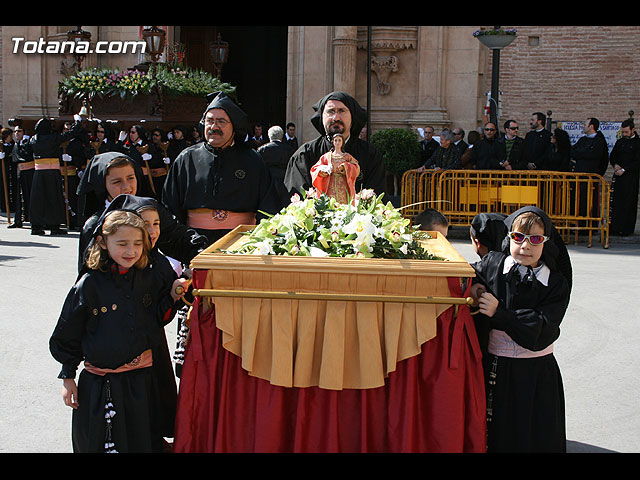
[
  {"x": 173, "y": 81},
  {"x": 176, "y": 54},
  {"x": 318, "y": 226},
  {"x": 494, "y": 31}
]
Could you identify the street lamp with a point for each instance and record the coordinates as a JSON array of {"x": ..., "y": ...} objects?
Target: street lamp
[
  {"x": 496, "y": 40},
  {"x": 77, "y": 36},
  {"x": 154, "y": 38},
  {"x": 219, "y": 54}
]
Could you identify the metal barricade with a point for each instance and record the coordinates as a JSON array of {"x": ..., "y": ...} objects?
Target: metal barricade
[{"x": 576, "y": 202}]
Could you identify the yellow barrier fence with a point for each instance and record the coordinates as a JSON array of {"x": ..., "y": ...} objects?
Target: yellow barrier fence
[{"x": 576, "y": 202}]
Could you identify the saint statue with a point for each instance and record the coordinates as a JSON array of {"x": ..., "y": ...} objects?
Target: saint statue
[{"x": 335, "y": 172}]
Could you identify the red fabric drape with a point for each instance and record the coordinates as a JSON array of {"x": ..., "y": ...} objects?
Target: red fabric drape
[{"x": 433, "y": 402}]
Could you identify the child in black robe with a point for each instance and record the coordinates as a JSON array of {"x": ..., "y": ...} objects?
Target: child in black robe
[
  {"x": 524, "y": 297},
  {"x": 112, "y": 319}
]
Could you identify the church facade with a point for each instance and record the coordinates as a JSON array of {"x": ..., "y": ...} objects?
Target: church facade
[{"x": 410, "y": 76}]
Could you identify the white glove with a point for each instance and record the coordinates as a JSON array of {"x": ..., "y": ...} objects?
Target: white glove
[
  {"x": 1, "y": 155},
  {"x": 25, "y": 137},
  {"x": 77, "y": 118},
  {"x": 166, "y": 160},
  {"x": 123, "y": 136},
  {"x": 170, "y": 135},
  {"x": 146, "y": 156},
  {"x": 66, "y": 157}
]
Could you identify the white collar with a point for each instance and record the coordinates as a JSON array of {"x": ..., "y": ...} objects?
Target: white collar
[{"x": 541, "y": 272}]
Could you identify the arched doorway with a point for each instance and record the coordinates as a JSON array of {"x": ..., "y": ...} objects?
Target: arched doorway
[{"x": 257, "y": 66}]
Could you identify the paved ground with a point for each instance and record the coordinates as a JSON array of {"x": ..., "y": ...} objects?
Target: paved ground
[{"x": 597, "y": 350}]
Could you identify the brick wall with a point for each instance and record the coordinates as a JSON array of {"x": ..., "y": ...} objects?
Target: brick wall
[{"x": 576, "y": 72}]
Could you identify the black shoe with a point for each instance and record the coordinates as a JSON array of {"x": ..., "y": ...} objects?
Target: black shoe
[
  {"x": 37, "y": 232},
  {"x": 15, "y": 225},
  {"x": 58, "y": 231}
]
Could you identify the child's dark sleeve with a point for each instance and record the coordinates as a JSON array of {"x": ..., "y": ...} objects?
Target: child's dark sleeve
[
  {"x": 537, "y": 327},
  {"x": 65, "y": 343},
  {"x": 165, "y": 275}
]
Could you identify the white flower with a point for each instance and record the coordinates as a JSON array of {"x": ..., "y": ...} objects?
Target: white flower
[
  {"x": 361, "y": 225},
  {"x": 317, "y": 252},
  {"x": 263, "y": 248},
  {"x": 295, "y": 198}
]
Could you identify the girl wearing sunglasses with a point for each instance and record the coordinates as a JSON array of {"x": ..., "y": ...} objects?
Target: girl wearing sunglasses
[{"x": 522, "y": 297}]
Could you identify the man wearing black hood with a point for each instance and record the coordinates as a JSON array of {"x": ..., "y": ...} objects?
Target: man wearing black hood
[
  {"x": 337, "y": 112},
  {"x": 47, "y": 205},
  {"x": 218, "y": 184}
]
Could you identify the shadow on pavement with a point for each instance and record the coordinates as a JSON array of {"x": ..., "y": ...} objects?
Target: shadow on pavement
[{"x": 577, "y": 447}]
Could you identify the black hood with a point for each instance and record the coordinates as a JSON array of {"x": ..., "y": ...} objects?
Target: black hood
[
  {"x": 550, "y": 250},
  {"x": 94, "y": 177},
  {"x": 238, "y": 117},
  {"x": 490, "y": 230},
  {"x": 358, "y": 114},
  {"x": 130, "y": 203},
  {"x": 44, "y": 127}
]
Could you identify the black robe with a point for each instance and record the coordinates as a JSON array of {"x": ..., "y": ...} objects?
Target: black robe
[
  {"x": 234, "y": 179},
  {"x": 525, "y": 396},
  {"x": 590, "y": 154},
  {"x": 22, "y": 154},
  {"x": 276, "y": 155},
  {"x": 624, "y": 188},
  {"x": 486, "y": 155},
  {"x": 108, "y": 319},
  {"x": 537, "y": 148},
  {"x": 47, "y": 207}
]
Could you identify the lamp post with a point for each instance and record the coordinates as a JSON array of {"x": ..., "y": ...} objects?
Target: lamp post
[
  {"x": 219, "y": 54},
  {"x": 496, "y": 41},
  {"x": 154, "y": 38},
  {"x": 77, "y": 36}
]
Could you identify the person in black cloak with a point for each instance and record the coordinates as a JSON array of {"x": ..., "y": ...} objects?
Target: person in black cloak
[
  {"x": 218, "y": 184},
  {"x": 113, "y": 320},
  {"x": 111, "y": 174},
  {"x": 337, "y": 112},
  {"x": 524, "y": 298},
  {"x": 47, "y": 207}
]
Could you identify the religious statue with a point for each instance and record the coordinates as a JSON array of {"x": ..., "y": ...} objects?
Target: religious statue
[{"x": 335, "y": 172}]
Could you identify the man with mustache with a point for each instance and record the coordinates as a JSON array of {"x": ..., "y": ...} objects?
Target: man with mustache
[
  {"x": 337, "y": 112},
  {"x": 216, "y": 185}
]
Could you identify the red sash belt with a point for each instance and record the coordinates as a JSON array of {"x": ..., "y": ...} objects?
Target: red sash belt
[
  {"x": 47, "y": 164},
  {"x": 26, "y": 165},
  {"x": 207, "y": 219},
  {"x": 144, "y": 360}
]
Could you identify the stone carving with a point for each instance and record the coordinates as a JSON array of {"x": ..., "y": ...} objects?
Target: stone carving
[{"x": 383, "y": 66}]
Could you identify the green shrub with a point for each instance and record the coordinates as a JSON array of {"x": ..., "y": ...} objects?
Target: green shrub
[{"x": 400, "y": 148}]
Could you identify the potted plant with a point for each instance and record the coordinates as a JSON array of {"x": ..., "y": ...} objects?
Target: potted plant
[{"x": 496, "y": 37}]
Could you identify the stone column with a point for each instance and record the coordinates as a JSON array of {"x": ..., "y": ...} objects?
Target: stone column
[{"x": 345, "y": 44}]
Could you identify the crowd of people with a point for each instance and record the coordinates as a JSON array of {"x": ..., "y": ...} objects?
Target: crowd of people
[
  {"x": 146, "y": 208},
  {"x": 544, "y": 150}
]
